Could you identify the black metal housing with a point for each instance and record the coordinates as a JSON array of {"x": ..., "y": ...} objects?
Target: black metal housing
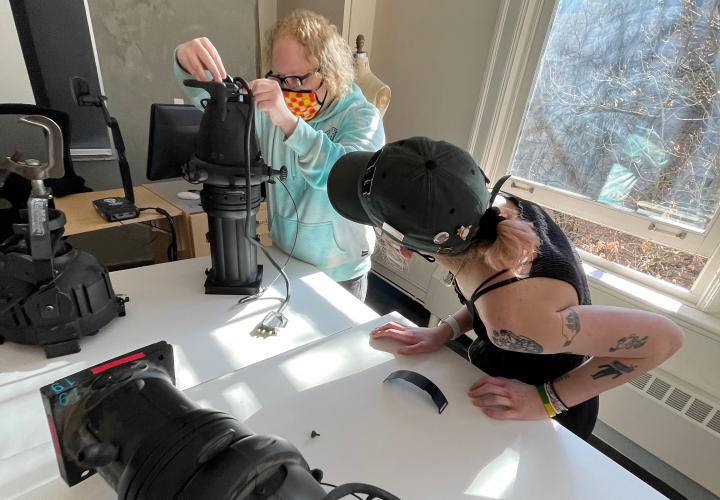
[
  {"x": 228, "y": 162},
  {"x": 50, "y": 293}
]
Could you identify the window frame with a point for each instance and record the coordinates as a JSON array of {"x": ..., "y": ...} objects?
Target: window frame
[{"x": 518, "y": 45}]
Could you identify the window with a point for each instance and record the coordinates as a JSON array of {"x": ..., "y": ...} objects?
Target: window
[{"x": 621, "y": 133}]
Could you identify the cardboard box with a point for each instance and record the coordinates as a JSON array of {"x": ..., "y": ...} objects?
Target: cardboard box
[{"x": 262, "y": 219}]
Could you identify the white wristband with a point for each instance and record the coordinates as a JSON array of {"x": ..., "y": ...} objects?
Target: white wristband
[{"x": 452, "y": 322}]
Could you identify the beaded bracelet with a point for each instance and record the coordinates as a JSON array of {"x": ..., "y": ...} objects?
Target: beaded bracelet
[{"x": 546, "y": 400}]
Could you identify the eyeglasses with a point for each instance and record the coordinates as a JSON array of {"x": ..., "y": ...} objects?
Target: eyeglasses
[{"x": 292, "y": 82}]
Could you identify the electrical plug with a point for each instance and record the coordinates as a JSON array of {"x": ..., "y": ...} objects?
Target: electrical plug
[{"x": 270, "y": 324}]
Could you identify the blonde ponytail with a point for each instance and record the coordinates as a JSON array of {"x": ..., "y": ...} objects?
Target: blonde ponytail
[{"x": 515, "y": 246}]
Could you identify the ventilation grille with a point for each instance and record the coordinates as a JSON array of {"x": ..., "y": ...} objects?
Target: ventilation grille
[
  {"x": 714, "y": 422},
  {"x": 641, "y": 381},
  {"x": 699, "y": 410},
  {"x": 677, "y": 399},
  {"x": 658, "y": 388},
  {"x": 681, "y": 400}
]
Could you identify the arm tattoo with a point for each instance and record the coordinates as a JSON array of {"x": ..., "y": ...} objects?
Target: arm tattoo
[
  {"x": 505, "y": 339},
  {"x": 570, "y": 327},
  {"x": 630, "y": 342},
  {"x": 616, "y": 368}
]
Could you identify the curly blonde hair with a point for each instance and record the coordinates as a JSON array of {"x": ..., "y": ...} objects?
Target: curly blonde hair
[{"x": 323, "y": 46}]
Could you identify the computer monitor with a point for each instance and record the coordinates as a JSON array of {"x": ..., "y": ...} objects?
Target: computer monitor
[{"x": 171, "y": 144}]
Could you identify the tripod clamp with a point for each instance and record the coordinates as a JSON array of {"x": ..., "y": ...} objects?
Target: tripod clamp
[{"x": 35, "y": 170}]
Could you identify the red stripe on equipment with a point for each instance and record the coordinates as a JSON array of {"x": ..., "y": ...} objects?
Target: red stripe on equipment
[
  {"x": 53, "y": 434},
  {"x": 112, "y": 364}
]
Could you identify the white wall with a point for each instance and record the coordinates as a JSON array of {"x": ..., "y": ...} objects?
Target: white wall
[
  {"x": 267, "y": 15},
  {"x": 16, "y": 84},
  {"x": 433, "y": 56},
  {"x": 135, "y": 47},
  {"x": 360, "y": 20}
]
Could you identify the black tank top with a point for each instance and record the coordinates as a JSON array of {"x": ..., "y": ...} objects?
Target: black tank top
[{"x": 556, "y": 259}]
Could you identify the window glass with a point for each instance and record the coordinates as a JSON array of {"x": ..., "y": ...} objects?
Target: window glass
[
  {"x": 662, "y": 262},
  {"x": 625, "y": 110}
]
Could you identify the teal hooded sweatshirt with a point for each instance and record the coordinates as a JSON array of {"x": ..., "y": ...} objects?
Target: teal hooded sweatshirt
[{"x": 337, "y": 246}]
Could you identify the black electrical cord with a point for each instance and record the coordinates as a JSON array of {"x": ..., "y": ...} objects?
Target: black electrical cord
[
  {"x": 284, "y": 303},
  {"x": 172, "y": 250},
  {"x": 335, "y": 486},
  {"x": 295, "y": 237},
  {"x": 281, "y": 270},
  {"x": 248, "y": 131},
  {"x": 352, "y": 488}
]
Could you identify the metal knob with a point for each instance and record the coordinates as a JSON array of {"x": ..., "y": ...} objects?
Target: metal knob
[
  {"x": 282, "y": 173},
  {"x": 360, "y": 43}
]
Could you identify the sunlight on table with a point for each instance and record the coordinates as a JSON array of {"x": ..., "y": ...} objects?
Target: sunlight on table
[
  {"x": 329, "y": 362},
  {"x": 496, "y": 479}
]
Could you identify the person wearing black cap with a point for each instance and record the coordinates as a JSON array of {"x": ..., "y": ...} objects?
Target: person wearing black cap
[{"x": 546, "y": 350}]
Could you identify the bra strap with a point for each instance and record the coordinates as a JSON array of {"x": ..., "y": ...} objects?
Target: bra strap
[
  {"x": 478, "y": 292},
  {"x": 473, "y": 297}
]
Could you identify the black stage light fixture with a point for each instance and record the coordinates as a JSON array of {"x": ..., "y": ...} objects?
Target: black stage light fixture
[
  {"x": 229, "y": 164},
  {"x": 125, "y": 420},
  {"x": 50, "y": 293}
]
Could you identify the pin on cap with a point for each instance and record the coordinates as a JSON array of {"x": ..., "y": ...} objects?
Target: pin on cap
[
  {"x": 441, "y": 238},
  {"x": 463, "y": 232}
]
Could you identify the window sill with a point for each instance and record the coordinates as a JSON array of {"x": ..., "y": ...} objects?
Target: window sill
[{"x": 646, "y": 298}]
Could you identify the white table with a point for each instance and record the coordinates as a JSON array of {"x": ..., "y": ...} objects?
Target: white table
[
  {"x": 391, "y": 435},
  {"x": 210, "y": 335}
]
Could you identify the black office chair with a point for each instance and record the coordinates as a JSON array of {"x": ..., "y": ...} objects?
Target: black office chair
[{"x": 16, "y": 189}]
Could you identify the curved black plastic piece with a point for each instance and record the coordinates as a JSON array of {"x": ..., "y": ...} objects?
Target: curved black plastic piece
[{"x": 423, "y": 383}]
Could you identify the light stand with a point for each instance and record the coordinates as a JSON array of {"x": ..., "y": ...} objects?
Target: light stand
[{"x": 113, "y": 208}]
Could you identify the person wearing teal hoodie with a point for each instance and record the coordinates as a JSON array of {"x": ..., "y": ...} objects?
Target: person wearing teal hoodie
[{"x": 311, "y": 114}]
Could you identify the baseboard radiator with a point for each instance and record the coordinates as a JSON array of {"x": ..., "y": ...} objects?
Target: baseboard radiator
[{"x": 680, "y": 427}]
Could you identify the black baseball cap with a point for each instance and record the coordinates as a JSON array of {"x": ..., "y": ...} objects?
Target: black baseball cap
[{"x": 427, "y": 195}]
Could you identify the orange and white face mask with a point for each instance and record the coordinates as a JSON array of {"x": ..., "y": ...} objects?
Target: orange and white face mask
[{"x": 302, "y": 103}]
